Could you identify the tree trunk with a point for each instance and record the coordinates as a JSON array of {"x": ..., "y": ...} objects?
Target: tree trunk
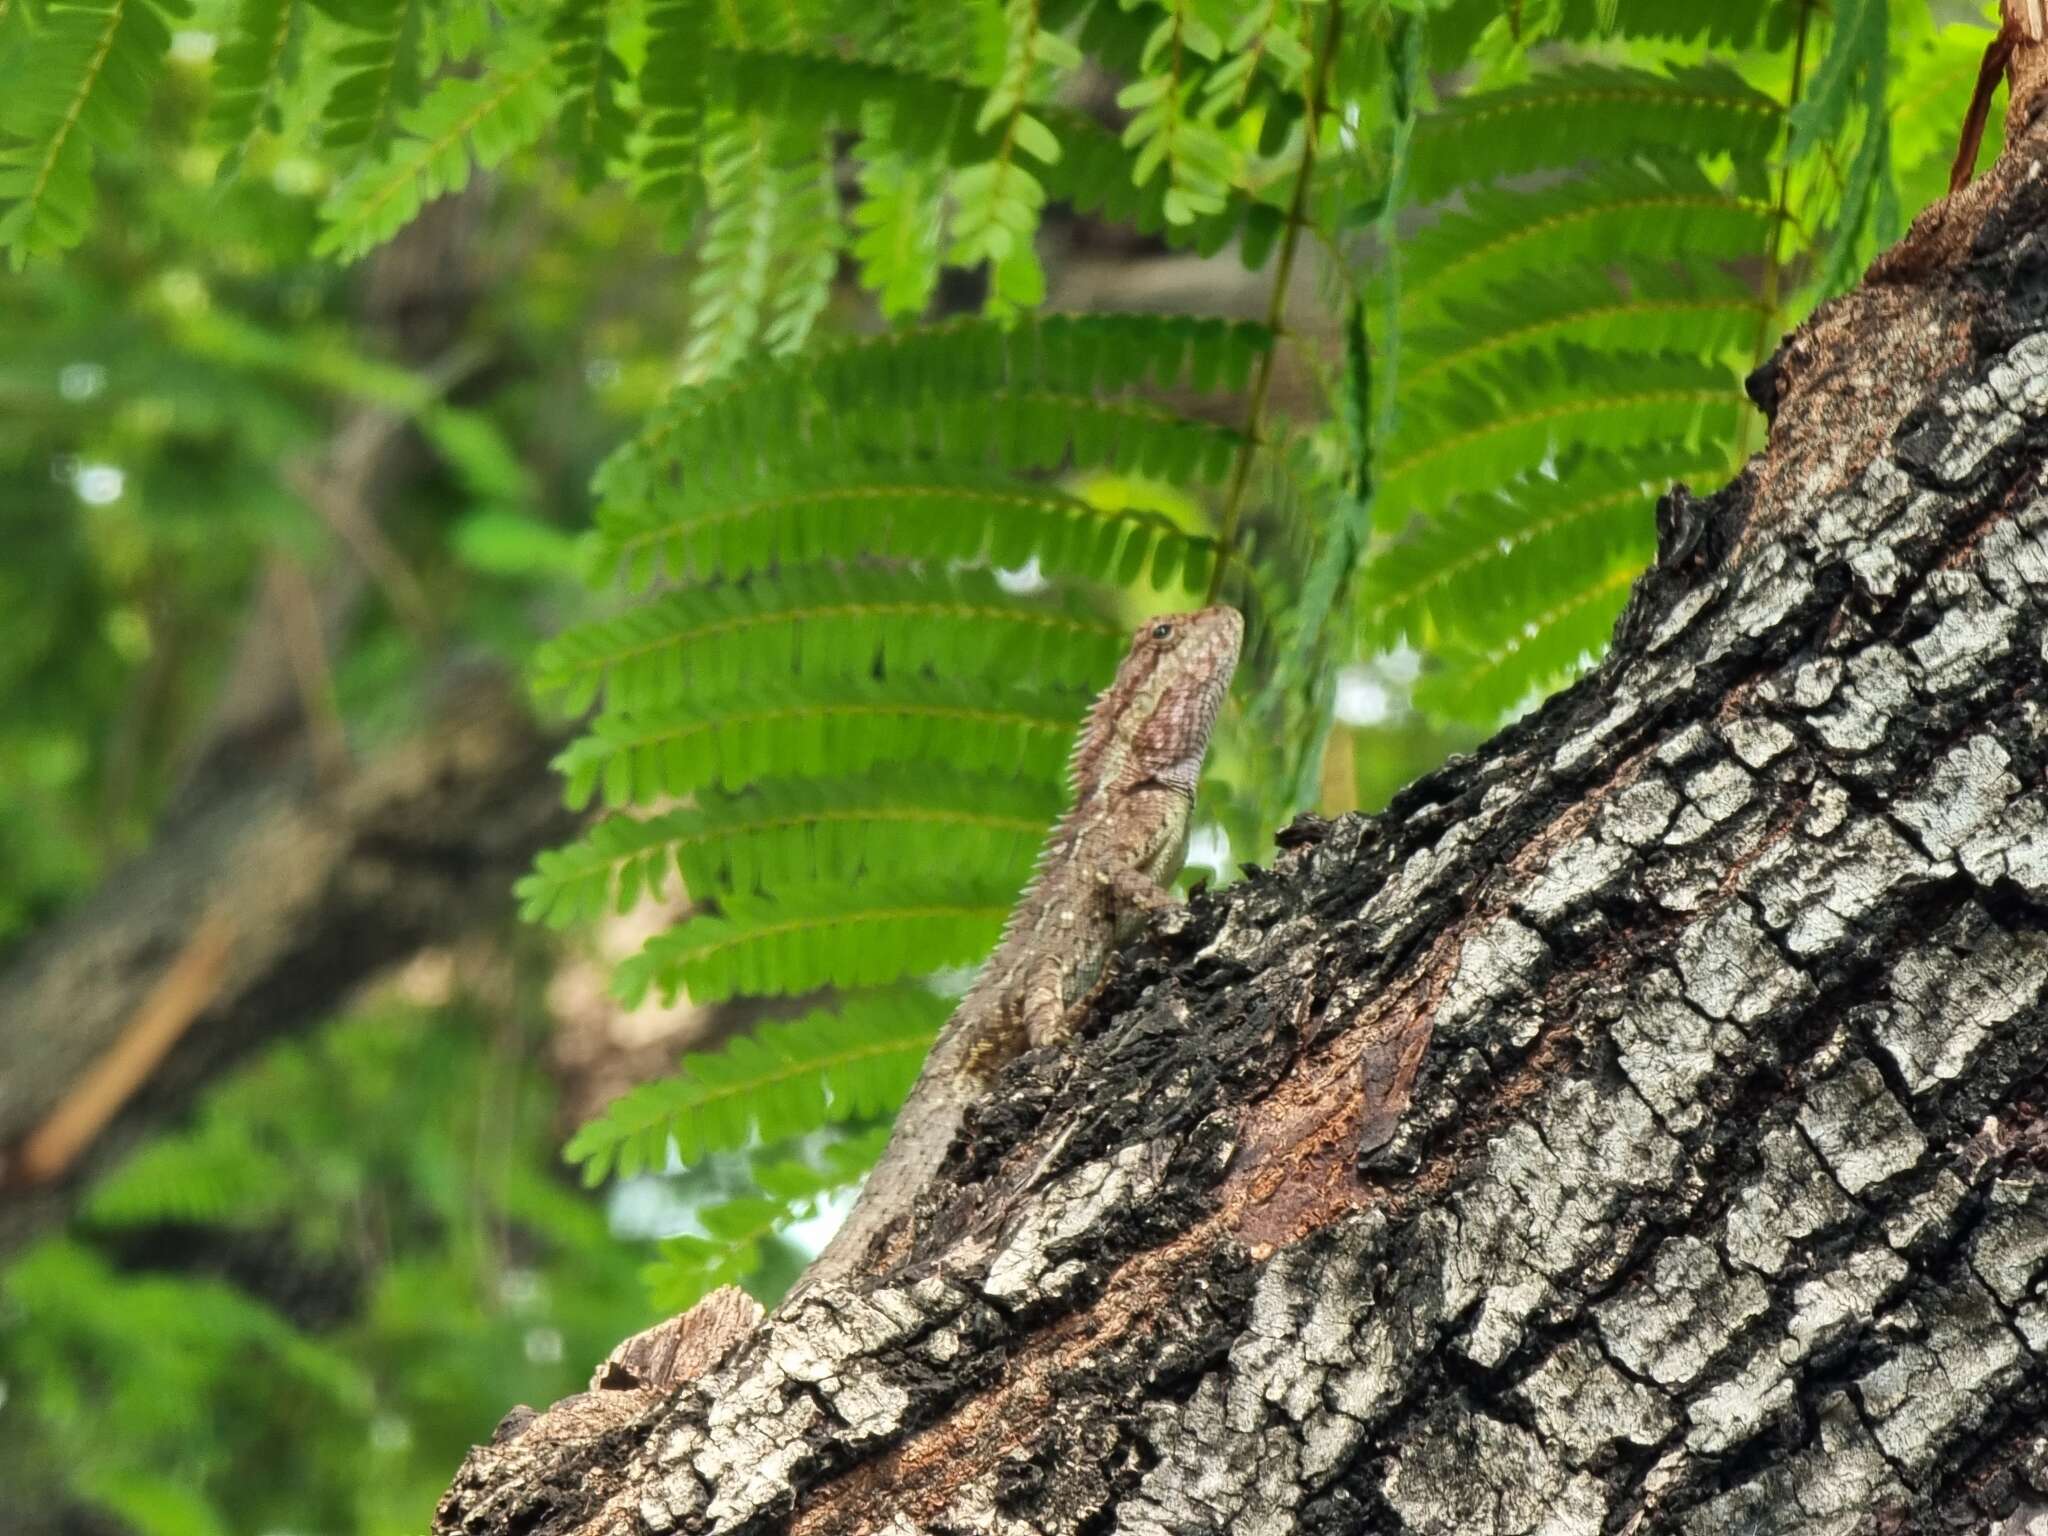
[{"x": 1633, "y": 1129}]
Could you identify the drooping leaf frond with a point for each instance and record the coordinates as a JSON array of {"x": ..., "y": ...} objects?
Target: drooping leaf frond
[
  {"x": 1510, "y": 416},
  {"x": 779, "y": 1080},
  {"x": 1725, "y": 24},
  {"x": 730, "y": 428},
  {"x": 380, "y": 72},
  {"x": 1477, "y": 573},
  {"x": 891, "y": 825},
  {"x": 1618, "y": 212},
  {"x": 824, "y": 622},
  {"x": 84, "y": 85},
  {"x": 592, "y": 124},
  {"x": 1708, "y": 314},
  {"x": 831, "y": 935},
  {"x": 1472, "y": 683},
  {"x": 486, "y": 119},
  {"x": 817, "y": 728},
  {"x": 214, "y": 1176},
  {"x": 668, "y": 145},
  {"x": 1551, "y": 120},
  {"x": 250, "y": 68},
  {"x": 900, "y": 511},
  {"x": 690, "y": 1267}
]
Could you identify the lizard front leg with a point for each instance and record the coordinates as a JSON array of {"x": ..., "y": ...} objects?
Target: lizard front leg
[
  {"x": 1042, "y": 1001},
  {"x": 1133, "y": 890},
  {"x": 1144, "y": 841}
]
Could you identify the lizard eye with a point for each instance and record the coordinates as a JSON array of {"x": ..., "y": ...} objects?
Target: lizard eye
[{"x": 1162, "y": 631}]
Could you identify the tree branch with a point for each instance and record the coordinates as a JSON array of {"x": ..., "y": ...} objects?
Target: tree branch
[{"x": 1635, "y": 1128}]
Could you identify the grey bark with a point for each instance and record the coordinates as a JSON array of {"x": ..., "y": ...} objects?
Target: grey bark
[{"x": 1638, "y": 1127}]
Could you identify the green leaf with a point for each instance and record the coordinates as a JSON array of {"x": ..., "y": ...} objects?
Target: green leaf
[
  {"x": 824, "y": 622},
  {"x": 485, "y": 119},
  {"x": 1704, "y": 314},
  {"x": 1496, "y": 422},
  {"x": 831, "y": 935},
  {"x": 690, "y": 1267},
  {"x": 592, "y": 124},
  {"x": 900, "y": 217},
  {"x": 1477, "y": 573},
  {"x": 379, "y": 76},
  {"x": 894, "y": 824},
  {"x": 1638, "y": 214},
  {"x": 816, "y": 728},
  {"x": 249, "y": 69},
  {"x": 84, "y": 79},
  {"x": 1557, "y": 118},
  {"x": 1823, "y": 111},
  {"x": 781, "y": 1080}
]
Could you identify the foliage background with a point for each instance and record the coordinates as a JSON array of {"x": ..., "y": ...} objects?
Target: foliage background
[{"x": 803, "y": 289}]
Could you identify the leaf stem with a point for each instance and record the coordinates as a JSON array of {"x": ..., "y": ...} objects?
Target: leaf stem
[
  {"x": 1773, "y": 254},
  {"x": 1276, "y": 308}
]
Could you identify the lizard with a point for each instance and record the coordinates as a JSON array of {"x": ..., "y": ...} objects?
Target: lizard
[{"x": 1108, "y": 860}]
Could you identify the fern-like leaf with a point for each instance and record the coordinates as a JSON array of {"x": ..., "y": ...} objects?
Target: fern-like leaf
[
  {"x": 814, "y": 729},
  {"x": 485, "y": 118},
  {"x": 803, "y": 938},
  {"x": 1724, "y": 24},
  {"x": 379, "y": 72},
  {"x": 1823, "y": 111},
  {"x": 891, "y": 825},
  {"x": 810, "y": 236},
  {"x": 1637, "y": 214},
  {"x": 690, "y": 1267},
  {"x": 1477, "y": 573},
  {"x": 1173, "y": 123},
  {"x": 216, "y": 1175},
  {"x": 249, "y": 69},
  {"x": 1552, "y": 647},
  {"x": 1707, "y": 314},
  {"x": 900, "y": 217},
  {"x": 934, "y": 514},
  {"x": 743, "y": 193},
  {"x": 934, "y": 118},
  {"x": 1869, "y": 205},
  {"x": 668, "y": 148},
  {"x": 83, "y": 80},
  {"x": 1550, "y": 121},
  {"x": 738, "y": 427},
  {"x": 593, "y": 126},
  {"x": 1492, "y": 424},
  {"x": 824, "y": 622},
  {"x": 781, "y": 1080}
]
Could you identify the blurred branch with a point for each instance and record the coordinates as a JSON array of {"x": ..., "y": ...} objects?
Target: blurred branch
[
  {"x": 321, "y": 890},
  {"x": 112, "y": 1018}
]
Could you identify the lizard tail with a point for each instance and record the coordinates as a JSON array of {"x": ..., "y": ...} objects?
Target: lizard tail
[{"x": 877, "y": 1229}]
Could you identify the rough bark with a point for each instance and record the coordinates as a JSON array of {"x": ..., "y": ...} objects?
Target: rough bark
[{"x": 1634, "y": 1129}]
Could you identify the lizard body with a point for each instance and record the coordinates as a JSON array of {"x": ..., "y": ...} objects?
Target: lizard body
[{"x": 1110, "y": 859}]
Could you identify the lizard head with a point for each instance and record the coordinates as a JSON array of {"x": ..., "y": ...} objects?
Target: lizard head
[{"x": 1152, "y": 724}]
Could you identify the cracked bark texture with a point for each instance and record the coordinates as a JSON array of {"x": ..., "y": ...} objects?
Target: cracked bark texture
[{"x": 1636, "y": 1128}]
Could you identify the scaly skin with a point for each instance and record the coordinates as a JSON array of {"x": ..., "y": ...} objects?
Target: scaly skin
[{"x": 1108, "y": 861}]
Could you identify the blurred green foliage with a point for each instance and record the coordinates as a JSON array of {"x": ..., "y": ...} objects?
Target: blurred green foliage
[
  {"x": 846, "y": 591},
  {"x": 371, "y": 1256}
]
